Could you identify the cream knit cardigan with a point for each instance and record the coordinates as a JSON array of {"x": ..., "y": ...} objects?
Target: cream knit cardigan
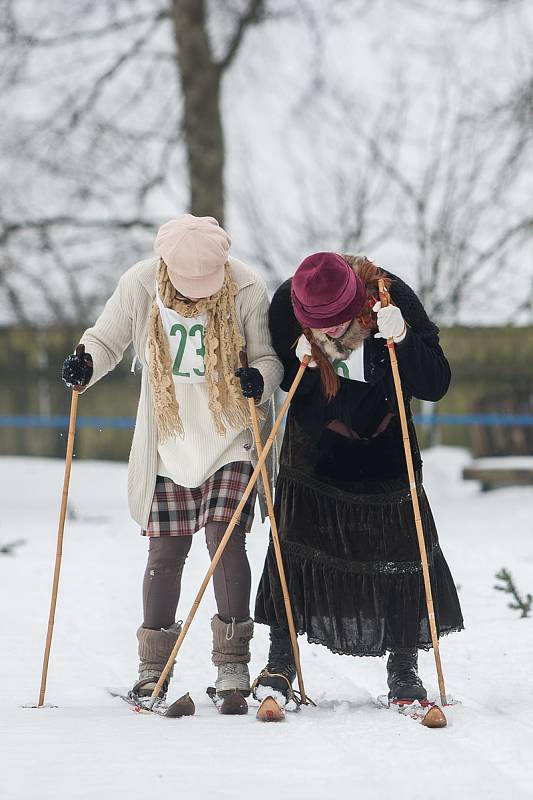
[{"x": 125, "y": 320}]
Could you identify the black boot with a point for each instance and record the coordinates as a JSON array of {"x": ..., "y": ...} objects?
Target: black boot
[
  {"x": 402, "y": 676},
  {"x": 146, "y": 685},
  {"x": 280, "y": 671}
]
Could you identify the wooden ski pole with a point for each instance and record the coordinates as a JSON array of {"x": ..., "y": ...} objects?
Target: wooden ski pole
[
  {"x": 275, "y": 541},
  {"x": 385, "y": 299},
  {"x": 229, "y": 530},
  {"x": 59, "y": 548}
]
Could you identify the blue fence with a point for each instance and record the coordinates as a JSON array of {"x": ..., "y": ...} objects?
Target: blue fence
[
  {"x": 29, "y": 421},
  {"x": 101, "y": 423}
]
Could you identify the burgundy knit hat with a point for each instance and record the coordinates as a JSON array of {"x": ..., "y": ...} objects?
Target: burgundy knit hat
[{"x": 326, "y": 291}]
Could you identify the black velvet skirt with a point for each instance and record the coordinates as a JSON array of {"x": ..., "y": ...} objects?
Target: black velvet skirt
[{"x": 353, "y": 566}]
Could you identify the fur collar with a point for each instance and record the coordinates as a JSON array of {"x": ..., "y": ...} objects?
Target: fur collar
[{"x": 340, "y": 349}]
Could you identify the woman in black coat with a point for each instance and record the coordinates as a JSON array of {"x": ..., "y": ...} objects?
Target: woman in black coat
[{"x": 343, "y": 503}]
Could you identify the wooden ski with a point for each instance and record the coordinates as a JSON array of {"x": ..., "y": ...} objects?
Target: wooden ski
[
  {"x": 233, "y": 704},
  {"x": 183, "y": 707},
  {"x": 426, "y": 712},
  {"x": 270, "y": 711}
]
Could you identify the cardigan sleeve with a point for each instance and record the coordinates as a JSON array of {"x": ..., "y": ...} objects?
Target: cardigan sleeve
[
  {"x": 112, "y": 332},
  {"x": 424, "y": 369},
  {"x": 260, "y": 352}
]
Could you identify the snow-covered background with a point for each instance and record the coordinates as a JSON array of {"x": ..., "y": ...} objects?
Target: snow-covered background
[{"x": 93, "y": 746}]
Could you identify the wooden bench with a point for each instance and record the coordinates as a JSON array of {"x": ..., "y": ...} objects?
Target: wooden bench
[{"x": 495, "y": 473}]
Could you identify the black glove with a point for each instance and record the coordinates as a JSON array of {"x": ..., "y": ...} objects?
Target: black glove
[
  {"x": 252, "y": 383},
  {"x": 77, "y": 369}
]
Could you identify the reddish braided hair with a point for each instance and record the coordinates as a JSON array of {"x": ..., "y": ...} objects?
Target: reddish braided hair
[{"x": 330, "y": 380}]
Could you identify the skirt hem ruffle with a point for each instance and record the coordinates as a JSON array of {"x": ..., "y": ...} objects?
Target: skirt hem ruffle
[{"x": 427, "y": 646}]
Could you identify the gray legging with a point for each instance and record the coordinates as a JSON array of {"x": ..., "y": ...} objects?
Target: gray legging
[{"x": 162, "y": 577}]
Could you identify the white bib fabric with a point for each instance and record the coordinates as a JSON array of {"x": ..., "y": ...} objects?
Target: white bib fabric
[
  {"x": 354, "y": 366},
  {"x": 186, "y": 344},
  {"x": 191, "y": 460}
]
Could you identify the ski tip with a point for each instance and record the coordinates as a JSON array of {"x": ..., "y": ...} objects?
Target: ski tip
[
  {"x": 183, "y": 707},
  {"x": 424, "y": 711},
  {"x": 270, "y": 711},
  {"x": 231, "y": 702},
  {"x": 435, "y": 718},
  {"x": 234, "y": 703}
]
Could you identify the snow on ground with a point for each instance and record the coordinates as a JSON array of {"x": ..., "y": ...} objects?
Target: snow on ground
[{"x": 94, "y": 746}]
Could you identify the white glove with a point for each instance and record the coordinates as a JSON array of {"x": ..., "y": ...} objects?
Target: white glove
[
  {"x": 391, "y": 324},
  {"x": 303, "y": 348}
]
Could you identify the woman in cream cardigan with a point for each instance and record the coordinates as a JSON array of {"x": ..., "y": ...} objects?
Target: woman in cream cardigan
[{"x": 189, "y": 312}]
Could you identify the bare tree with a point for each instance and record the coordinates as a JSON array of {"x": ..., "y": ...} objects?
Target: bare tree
[
  {"x": 458, "y": 213},
  {"x": 441, "y": 202},
  {"x": 335, "y": 198},
  {"x": 125, "y": 115},
  {"x": 201, "y": 74},
  {"x": 112, "y": 120}
]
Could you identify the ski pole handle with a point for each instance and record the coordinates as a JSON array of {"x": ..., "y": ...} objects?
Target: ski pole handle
[
  {"x": 243, "y": 358},
  {"x": 384, "y": 295}
]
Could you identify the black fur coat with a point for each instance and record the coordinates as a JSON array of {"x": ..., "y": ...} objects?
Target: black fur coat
[
  {"x": 361, "y": 408},
  {"x": 343, "y": 503}
]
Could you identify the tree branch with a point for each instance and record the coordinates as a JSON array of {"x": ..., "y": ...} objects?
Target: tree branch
[
  {"x": 32, "y": 41},
  {"x": 15, "y": 303},
  {"x": 253, "y": 14},
  {"x": 9, "y": 229},
  {"x": 498, "y": 244},
  {"x": 101, "y": 81}
]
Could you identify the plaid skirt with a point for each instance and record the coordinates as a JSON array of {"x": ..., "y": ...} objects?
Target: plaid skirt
[{"x": 180, "y": 511}]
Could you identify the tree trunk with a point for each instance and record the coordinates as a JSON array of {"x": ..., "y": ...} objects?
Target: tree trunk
[{"x": 202, "y": 125}]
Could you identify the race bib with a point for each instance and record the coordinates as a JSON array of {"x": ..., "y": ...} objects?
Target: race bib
[
  {"x": 186, "y": 343},
  {"x": 353, "y": 367}
]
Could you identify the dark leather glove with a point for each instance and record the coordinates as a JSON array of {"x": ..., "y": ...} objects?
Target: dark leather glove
[
  {"x": 252, "y": 383},
  {"x": 77, "y": 369}
]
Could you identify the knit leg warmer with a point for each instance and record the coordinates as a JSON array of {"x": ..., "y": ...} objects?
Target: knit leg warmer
[
  {"x": 231, "y": 641},
  {"x": 155, "y": 648}
]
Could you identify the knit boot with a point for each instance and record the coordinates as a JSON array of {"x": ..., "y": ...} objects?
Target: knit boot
[
  {"x": 155, "y": 648},
  {"x": 280, "y": 671},
  {"x": 231, "y": 654},
  {"x": 402, "y": 676}
]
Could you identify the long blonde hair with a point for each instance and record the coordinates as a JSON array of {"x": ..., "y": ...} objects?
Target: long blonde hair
[{"x": 223, "y": 343}]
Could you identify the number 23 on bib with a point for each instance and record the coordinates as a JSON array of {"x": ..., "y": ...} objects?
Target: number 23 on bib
[{"x": 186, "y": 342}]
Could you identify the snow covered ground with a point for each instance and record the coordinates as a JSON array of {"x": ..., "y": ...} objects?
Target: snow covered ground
[{"x": 93, "y": 746}]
